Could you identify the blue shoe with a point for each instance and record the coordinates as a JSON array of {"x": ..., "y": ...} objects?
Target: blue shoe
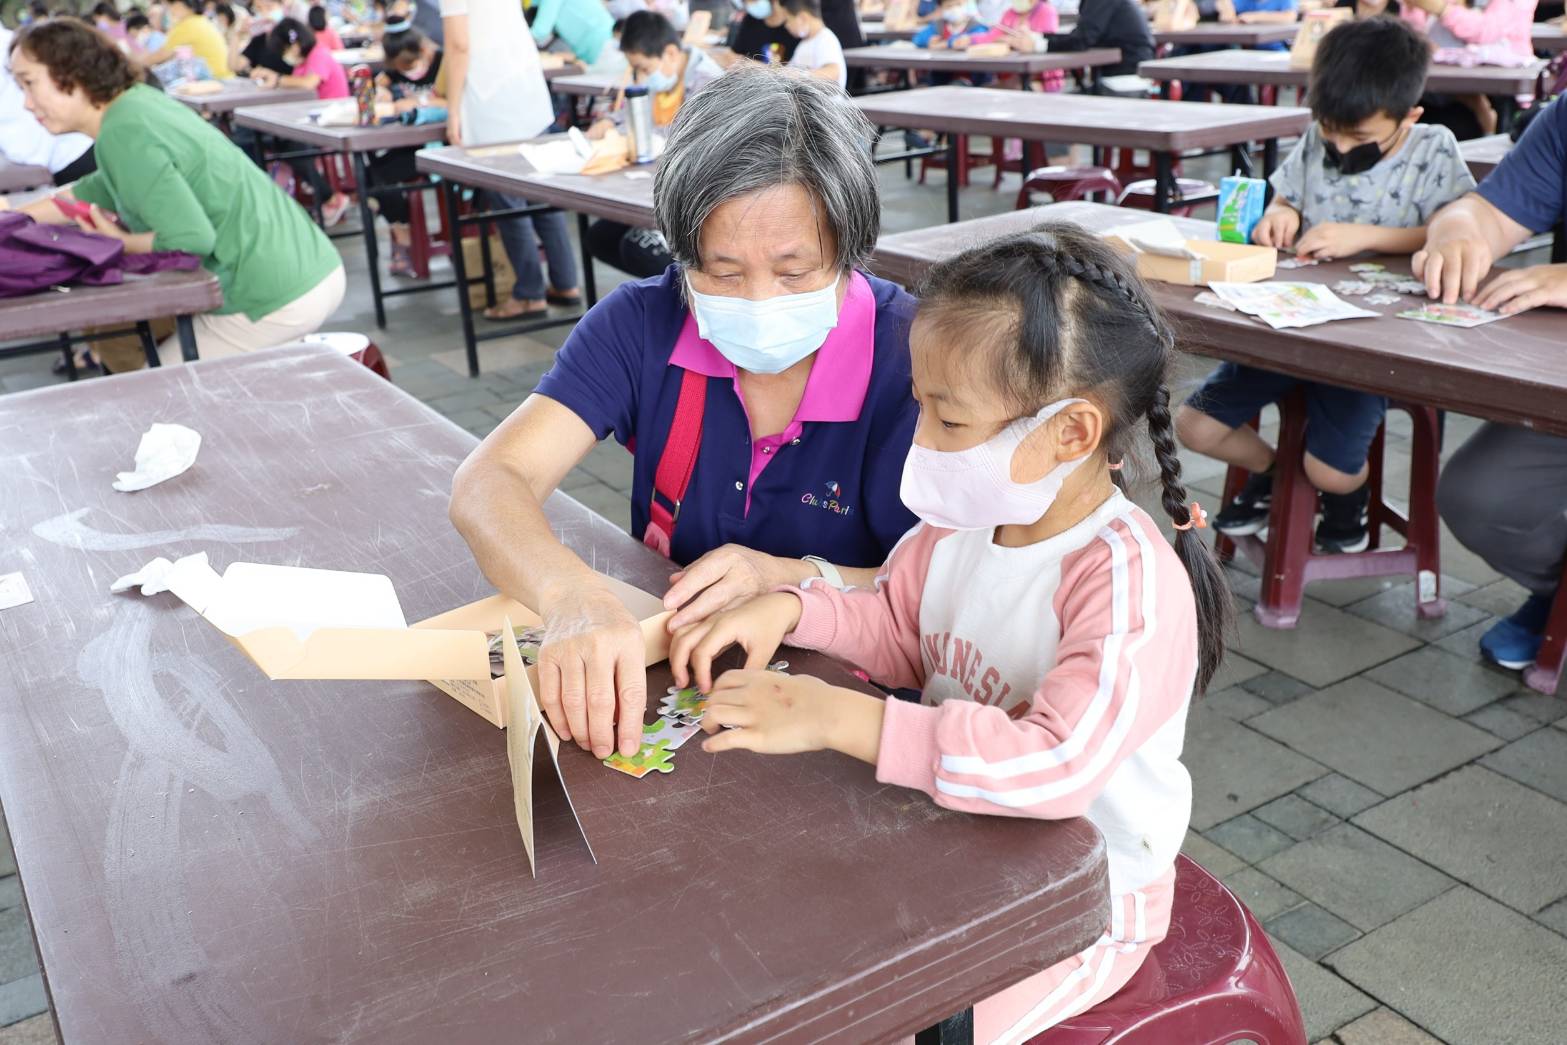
[{"x": 1514, "y": 642}]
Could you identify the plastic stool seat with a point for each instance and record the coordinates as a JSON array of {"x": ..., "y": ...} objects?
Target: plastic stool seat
[
  {"x": 1214, "y": 979},
  {"x": 357, "y": 347},
  {"x": 1064, "y": 184}
]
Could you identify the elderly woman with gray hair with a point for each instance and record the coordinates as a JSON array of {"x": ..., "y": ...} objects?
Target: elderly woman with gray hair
[{"x": 762, "y": 382}]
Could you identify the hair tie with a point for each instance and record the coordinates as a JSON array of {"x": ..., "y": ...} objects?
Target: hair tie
[
  {"x": 1195, "y": 518},
  {"x": 1115, "y": 466}
]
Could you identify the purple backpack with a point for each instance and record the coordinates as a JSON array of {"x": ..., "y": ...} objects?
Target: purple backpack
[{"x": 35, "y": 257}]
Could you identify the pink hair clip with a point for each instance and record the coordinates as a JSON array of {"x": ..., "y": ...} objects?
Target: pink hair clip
[{"x": 1196, "y": 518}]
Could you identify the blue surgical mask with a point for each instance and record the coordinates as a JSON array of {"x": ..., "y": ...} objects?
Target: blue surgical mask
[
  {"x": 658, "y": 81},
  {"x": 759, "y": 9},
  {"x": 768, "y": 336}
]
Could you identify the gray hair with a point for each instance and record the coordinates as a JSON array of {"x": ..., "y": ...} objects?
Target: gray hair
[{"x": 754, "y": 128}]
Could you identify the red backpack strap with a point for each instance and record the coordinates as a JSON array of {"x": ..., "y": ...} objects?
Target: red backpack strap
[{"x": 673, "y": 475}]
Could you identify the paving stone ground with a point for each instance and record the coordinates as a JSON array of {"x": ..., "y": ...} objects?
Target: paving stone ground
[{"x": 1393, "y": 812}]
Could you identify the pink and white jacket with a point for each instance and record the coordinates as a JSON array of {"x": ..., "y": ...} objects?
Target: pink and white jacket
[
  {"x": 1505, "y": 22},
  {"x": 1041, "y": 21},
  {"x": 1056, "y": 677}
]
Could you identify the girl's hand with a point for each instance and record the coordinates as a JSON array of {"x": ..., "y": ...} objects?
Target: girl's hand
[
  {"x": 958, "y": 43},
  {"x": 758, "y": 627},
  {"x": 787, "y": 714},
  {"x": 265, "y": 77},
  {"x": 724, "y": 578},
  {"x": 1332, "y": 240}
]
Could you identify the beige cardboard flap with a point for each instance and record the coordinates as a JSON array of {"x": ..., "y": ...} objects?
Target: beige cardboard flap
[{"x": 359, "y": 653}]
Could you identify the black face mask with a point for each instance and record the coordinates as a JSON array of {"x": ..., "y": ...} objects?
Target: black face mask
[{"x": 1358, "y": 160}]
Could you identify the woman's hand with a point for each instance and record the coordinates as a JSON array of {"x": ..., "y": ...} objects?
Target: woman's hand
[
  {"x": 758, "y": 627},
  {"x": 105, "y": 225},
  {"x": 1517, "y": 290},
  {"x": 454, "y": 137},
  {"x": 779, "y": 714},
  {"x": 599, "y": 129},
  {"x": 593, "y": 664},
  {"x": 725, "y": 577}
]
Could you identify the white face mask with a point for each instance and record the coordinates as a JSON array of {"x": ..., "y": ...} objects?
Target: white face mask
[
  {"x": 768, "y": 336},
  {"x": 973, "y": 489},
  {"x": 958, "y": 15}
]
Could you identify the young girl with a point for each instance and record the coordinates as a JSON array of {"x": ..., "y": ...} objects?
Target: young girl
[
  {"x": 322, "y": 27},
  {"x": 1023, "y": 26},
  {"x": 954, "y": 30},
  {"x": 1053, "y": 630},
  {"x": 818, "y": 52}
]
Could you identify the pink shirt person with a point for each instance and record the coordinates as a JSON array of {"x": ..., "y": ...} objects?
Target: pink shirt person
[
  {"x": 319, "y": 62},
  {"x": 1507, "y": 23},
  {"x": 1041, "y": 20}
]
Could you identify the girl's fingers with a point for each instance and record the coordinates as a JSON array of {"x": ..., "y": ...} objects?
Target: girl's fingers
[
  {"x": 731, "y": 740},
  {"x": 680, "y": 650}
]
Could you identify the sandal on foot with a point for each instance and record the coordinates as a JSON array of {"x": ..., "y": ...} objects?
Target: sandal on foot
[{"x": 507, "y": 310}]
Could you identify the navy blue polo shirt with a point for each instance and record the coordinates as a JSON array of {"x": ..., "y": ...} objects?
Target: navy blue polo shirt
[
  {"x": 1530, "y": 184},
  {"x": 827, "y": 485}
]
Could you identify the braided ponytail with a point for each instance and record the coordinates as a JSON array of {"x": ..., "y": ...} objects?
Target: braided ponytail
[{"x": 1210, "y": 591}]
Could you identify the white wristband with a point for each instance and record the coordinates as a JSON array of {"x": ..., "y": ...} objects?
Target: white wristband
[{"x": 828, "y": 571}]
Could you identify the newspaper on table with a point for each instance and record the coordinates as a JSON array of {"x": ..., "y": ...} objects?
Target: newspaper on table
[{"x": 1287, "y": 305}]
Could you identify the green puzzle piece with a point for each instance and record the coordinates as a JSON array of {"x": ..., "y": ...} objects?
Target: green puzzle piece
[
  {"x": 686, "y": 700},
  {"x": 652, "y": 758}
]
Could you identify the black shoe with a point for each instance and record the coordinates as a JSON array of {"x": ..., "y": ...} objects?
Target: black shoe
[
  {"x": 1247, "y": 512},
  {"x": 1343, "y": 527}
]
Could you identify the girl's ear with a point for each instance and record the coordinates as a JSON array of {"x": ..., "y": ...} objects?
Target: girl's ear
[{"x": 1072, "y": 434}]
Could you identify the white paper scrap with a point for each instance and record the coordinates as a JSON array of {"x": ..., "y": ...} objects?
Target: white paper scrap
[
  {"x": 1288, "y": 305},
  {"x": 14, "y": 591},
  {"x": 164, "y": 452},
  {"x": 1158, "y": 236},
  {"x": 556, "y": 157}
]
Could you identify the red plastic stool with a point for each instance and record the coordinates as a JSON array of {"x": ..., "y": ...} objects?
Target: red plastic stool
[
  {"x": 355, "y": 346},
  {"x": 1068, "y": 183},
  {"x": 1289, "y": 560},
  {"x": 1189, "y": 194},
  {"x": 1213, "y": 980},
  {"x": 424, "y": 245},
  {"x": 967, "y": 161}
]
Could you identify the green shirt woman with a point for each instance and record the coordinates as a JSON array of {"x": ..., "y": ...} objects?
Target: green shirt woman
[{"x": 168, "y": 180}]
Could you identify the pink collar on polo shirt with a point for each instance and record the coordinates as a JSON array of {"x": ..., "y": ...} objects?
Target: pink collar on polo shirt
[{"x": 835, "y": 389}]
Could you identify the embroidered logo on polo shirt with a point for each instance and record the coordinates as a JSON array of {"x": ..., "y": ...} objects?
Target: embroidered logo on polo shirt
[{"x": 831, "y": 502}]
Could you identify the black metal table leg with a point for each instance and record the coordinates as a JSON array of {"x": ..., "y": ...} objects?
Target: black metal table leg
[
  {"x": 1164, "y": 182},
  {"x": 1270, "y": 157},
  {"x": 367, "y": 228},
  {"x": 460, "y": 268},
  {"x": 590, "y": 289},
  {"x": 70, "y": 357},
  {"x": 952, "y": 177},
  {"x": 187, "y": 333},
  {"x": 149, "y": 344},
  {"x": 954, "y": 1030}
]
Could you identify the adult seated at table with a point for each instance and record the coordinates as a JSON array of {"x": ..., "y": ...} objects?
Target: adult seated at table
[
  {"x": 168, "y": 180},
  {"x": 1504, "y": 492},
  {"x": 23, "y": 140},
  {"x": 187, "y": 28},
  {"x": 763, "y": 351},
  {"x": 1110, "y": 23}
]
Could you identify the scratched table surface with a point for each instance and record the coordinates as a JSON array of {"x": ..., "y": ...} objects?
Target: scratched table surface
[
  {"x": 1511, "y": 370},
  {"x": 211, "y": 857}
]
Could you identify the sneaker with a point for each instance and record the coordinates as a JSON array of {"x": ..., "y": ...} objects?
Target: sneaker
[
  {"x": 1514, "y": 642},
  {"x": 1247, "y": 512},
  {"x": 334, "y": 210},
  {"x": 1343, "y": 528}
]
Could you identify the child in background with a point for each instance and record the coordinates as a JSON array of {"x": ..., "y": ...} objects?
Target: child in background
[
  {"x": 1024, "y": 26},
  {"x": 143, "y": 39},
  {"x": 107, "y": 18},
  {"x": 325, "y": 34},
  {"x": 315, "y": 69},
  {"x": 1110, "y": 23},
  {"x": 952, "y": 31},
  {"x": 1055, "y": 634},
  {"x": 819, "y": 52},
  {"x": 189, "y": 29},
  {"x": 412, "y": 78},
  {"x": 672, "y": 71},
  {"x": 583, "y": 26},
  {"x": 760, "y": 31},
  {"x": 1260, "y": 12},
  {"x": 1366, "y": 177}
]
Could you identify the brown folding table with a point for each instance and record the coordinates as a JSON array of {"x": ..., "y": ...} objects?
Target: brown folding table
[
  {"x": 15, "y": 177},
  {"x": 208, "y": 856},
  {"x": 1163, "y": 128},
  {"x": 295, "y": 122},
  {"x": 1482, "y": 155},
  {"x": 625, "y": 196},
  {"x": 911, "y": 60},
  {"x": 1548, "y": 37},
  {"x": 1217, "y": 34}
]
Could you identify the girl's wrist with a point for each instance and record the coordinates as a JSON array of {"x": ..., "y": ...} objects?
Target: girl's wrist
[{"x": 854, "y": 723}]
